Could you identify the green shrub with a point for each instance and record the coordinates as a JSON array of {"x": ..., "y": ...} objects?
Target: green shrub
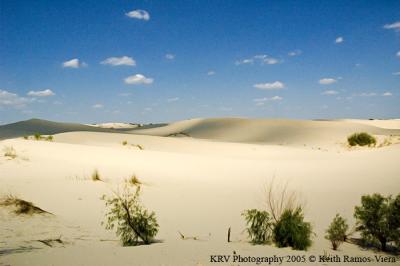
[
  {"x": 378, "y": 219},
  {"x": 259, "y": 226},
  {"x": 49, "y": 138},
  {"x": 133, "y": 222},
  {"x": 37, "y": 136},
  {"x": 361, "y": 139},
  {"x": 292, "y": 231},
  {"x": 337, "y": 231},
  {"x": 124, "y": 142}
]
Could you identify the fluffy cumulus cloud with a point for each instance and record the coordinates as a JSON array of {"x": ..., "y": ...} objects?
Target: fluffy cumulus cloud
[
  {"x": 211, "y": 73},
  {"x": 394, "y": 26},
  {"x": 73, "y": 63},
  {"x": 10, "y": 99},
  {"x": 327, "y": 81},
  {"x": 139, "y": 14},
  {"x": 170, "y": 56},
  {"x": 277, "y": 85},
  {"x": 97, "y": 106},
  {"x": 398, "y": 54},
  {"x": 330, "y": 92},
  {"x": 119, "y": 61},
  {"x": 170, "y": 100},
  {"x": 43, "y": 93},
  {"x": 138, "y": 79},
  {"x": 261, "y": 59},
  {"x": 261, "y": 101},
  {"x": 295, "y": 53},
  {"x": 339, "y": 39},
  {"x": 387, "y": 94}
]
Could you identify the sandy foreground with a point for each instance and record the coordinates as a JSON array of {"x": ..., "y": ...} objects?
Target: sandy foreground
[{"x": 198, "y": 181}]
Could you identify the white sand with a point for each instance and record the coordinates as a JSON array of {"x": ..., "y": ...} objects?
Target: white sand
[{"x": 198, "y": 187}]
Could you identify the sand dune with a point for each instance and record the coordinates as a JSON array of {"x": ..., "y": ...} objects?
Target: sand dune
[
  {"x": 279, "y": 132},
  {"x": 288, "y": 132},
  {"x": 196, "y": 186},
  {"x": 33, "y": 126}
]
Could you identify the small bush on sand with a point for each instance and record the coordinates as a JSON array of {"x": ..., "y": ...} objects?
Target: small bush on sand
[
  {"x": 292, "y": 231},
  {"x": 10, "y": 152},
  {"x": 26, "y": 137},
  {"x": 21, "y": 206},
  {"x": 133, "y": 222},
  {"x": 37, "y": 136},
  {"x": 134, "y": 181},
  {"x": 96, "y": 175},
  {"x": 361, "y": 139},
  {"x": 337, "y": 231},
  {"x": 259, "y": 226},
  {"x": 124, "y": 142},
  {"x": 49, "y": 138},
  {"x": 378, "y": 219}
]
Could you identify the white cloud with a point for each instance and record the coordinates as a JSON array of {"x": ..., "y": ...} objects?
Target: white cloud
[
  {"x": 261, "y": 101},
  {"x": 138, "y": 79},
  {"x": 139, "y": 14},
  {"x": 170, "y": 56},
  {"x": 277, "y": 85},
  {"x": 295, "y": 53},
  {"x": 327, "y": 81},
  {"x": 13, "y": 100},
  {"x": 270, "y": 61},
  {"x": 97, "y": 106},
  {"x": 398, "y": 54},
  {"x": 262, "y": 59},
  {"x": 396, "y": 73},
  {"x": 394, "y": 26},
  {"x": 74, "y": 63},
  {"x": 119, "y": 61},
  {"x": 170, "y": 100},
  {"x": 330, "y": 92},
  {"x": 210, "y": 73},
  {"x": 368, "y": 94},
  {"x": 339, "y": 39},
  {"x": 43, "y": 93},
  {"x": 276, "y": 98},
  {"x": 387, "y": 94},
  {"x": 244, "y": 61}
]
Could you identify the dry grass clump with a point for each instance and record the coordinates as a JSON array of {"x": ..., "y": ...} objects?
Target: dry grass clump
[
  {"x": 124, "y": 142},
  {"x": 21, "y": 206},
  {"x": 134, "y": 181},
  {"x": 10, "y": 152},
  {"x": 96, "y": 176}
]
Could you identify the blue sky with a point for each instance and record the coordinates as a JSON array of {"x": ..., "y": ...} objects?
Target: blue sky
[{"x": 157, "y": 61}]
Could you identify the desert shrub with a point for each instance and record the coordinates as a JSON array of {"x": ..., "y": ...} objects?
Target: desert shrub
[
  {"x": 124, "y": 142},
  {"x": 259, "y": 226},
  {"x": 337, "y": 231},
  {"x": 26, "y": 137},
  {"x": 378, "y": 219},
  {"x": 37, "y": 136},
  {"x": 134, "y": 181},
  {"x": 134, "y": 224},
  {"x": 50, "y": 138},
  {"x": 21, "y": 206},
  {"x": 361, "y": 139},
  {"x": 279, "y": 198},
  {"x": 292, "y": 231},
  {"x": 10, "y": 152},
  {"x": 96, "y": 175}
]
